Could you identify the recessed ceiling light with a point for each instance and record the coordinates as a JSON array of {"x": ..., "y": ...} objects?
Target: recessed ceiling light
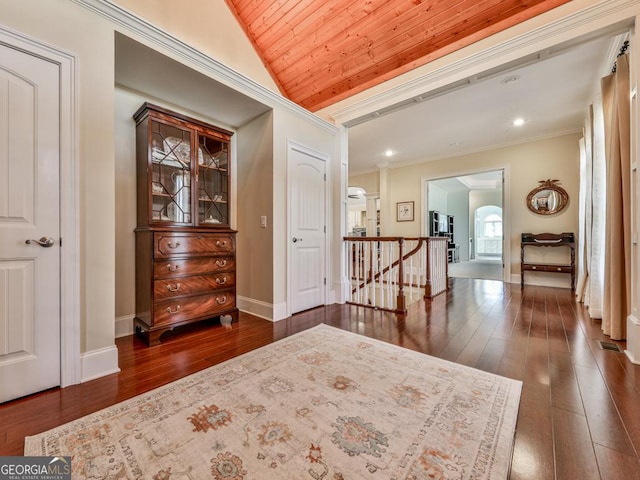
[
  {"x": 389, "y": 153},
  {"x": 518, "y": 122}
]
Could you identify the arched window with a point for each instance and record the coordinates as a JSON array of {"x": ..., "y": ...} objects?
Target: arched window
[
  {"x": 493, "y": 226},
  {"x": 488, "y": 231}
]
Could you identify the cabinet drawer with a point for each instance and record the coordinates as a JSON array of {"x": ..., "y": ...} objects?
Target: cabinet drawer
[
  {"x": 191, "y": 244},
  {"x": 193, "y": 285},
  {"x": 192, "y": 266},
  {"x": 185, "y": 308},
  {"x": 559, "y": 268},
  {"x": 539, "y": 268},
  {"x": 547, "y": 268}
]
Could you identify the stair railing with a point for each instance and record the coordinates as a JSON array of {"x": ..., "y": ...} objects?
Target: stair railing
[{"x": 380, "y": 279}]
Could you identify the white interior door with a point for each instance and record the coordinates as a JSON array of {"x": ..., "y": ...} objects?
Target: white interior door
[
  {"x": 307, "y": 228},
  {"x": 29, "y": 210}
]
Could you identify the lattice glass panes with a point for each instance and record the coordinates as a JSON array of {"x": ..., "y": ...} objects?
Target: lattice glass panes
[
  {"x": 213, "y": 181},
  {"x": 171, "y": 174}
]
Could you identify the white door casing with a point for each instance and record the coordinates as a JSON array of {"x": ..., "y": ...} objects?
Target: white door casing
[
  {"x": 29, "y": 211},
  {"x": 307, "y": 228}
]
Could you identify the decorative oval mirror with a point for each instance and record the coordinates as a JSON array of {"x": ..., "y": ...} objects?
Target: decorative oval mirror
[{"x": 548, "y": 198}]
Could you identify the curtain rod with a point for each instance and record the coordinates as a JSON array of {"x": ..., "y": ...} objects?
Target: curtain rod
[{"x": 623, "y": 50}]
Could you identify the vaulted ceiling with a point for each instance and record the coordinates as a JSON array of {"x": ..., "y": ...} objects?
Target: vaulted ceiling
[{"x": 322, "y": 51}]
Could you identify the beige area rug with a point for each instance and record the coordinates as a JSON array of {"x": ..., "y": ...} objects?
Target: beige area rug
[
  {"x": 322, "y": 404},
  {"x": 481, "y": 268}
]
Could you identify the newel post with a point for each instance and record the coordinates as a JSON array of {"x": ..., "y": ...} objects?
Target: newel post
[
  {"x": 427, "y": 283},
  {"x": 400, "y": 303}
]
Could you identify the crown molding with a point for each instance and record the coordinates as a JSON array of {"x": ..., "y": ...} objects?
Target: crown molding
[
  {"x": 607, "y": 12},
  {"x": 215, "y": 69}
]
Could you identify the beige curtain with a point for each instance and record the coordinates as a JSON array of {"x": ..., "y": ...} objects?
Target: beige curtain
[
  {"x": 583, "y": 247},
  {"x": 617, "y": 281},
  {"x": 592, "y": 212}
]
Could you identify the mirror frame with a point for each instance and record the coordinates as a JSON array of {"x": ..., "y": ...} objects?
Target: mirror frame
[{"x": 548, "y": 185}]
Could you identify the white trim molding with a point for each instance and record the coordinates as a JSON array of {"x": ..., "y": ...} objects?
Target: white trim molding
[
  {"x": 258, "y": 308},
  {"x": 633, "y": 339},
  {"x": 98, "y": 363},
  {"x": 506, "y": 210},
  {"x": 192, "y": 56},
  {"x": 124, "y": 326},
  {"x": 294, "y": 146}
]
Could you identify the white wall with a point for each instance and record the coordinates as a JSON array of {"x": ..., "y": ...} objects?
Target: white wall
[
  {"x": 67, "y": 26},
  {"x": 458, "y": 207},
  {"x": 126, "y": 103},
  {"x": 437, "y": 199},
  {"x": 255, "y": 266},
  {"x": 369, "y": 181},
  {"x": 210, "y": 27},
  {"x": 527, "y": 164}
]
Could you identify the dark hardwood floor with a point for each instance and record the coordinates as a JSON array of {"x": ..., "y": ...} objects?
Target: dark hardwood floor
[{"x": 580, "y": 409}]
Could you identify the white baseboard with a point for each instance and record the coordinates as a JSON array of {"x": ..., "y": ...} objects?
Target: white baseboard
[
  {"x": 261, "y": 309},
  {"x": 633, "y": 339},
  {"x": 280, "y": 311},
  {"x": 331, "y": 297},
  {"x": 340, "y": 292},
  {"x": 98, "y": 363},
  {"x": 124, "y": 326}
]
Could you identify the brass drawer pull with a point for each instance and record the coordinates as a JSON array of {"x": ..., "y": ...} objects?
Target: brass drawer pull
[
  {"x": 173, "y": 288},
  {"x": 171, "y": 245},
  {"x": 221, "y": 300},
  {"x": 173, "y": 268},
  {"x": 173, "y": 312},
  {"x": 221, "y": 263},
  {"x": 221, "y": 281},
  {"x": 221, "y": 244}
]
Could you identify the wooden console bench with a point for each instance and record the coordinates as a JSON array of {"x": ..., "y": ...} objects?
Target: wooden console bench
[{"x": 548, "y": 240}]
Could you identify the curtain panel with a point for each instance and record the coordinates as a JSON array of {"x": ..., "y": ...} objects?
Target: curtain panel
[
  {"x": 592, "y": 212},
  {"x": 617, "y": 279}
]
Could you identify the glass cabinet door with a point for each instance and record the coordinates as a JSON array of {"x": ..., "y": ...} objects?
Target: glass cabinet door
[
  {"x": 213, "y": 181},
  {"x": 170, "y": 174}
]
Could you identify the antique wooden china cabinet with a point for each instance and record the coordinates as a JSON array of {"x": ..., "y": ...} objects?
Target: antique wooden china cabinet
[{"x": 185, "y": 249}]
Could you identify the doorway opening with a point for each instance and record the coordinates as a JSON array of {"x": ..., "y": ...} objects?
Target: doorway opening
[{"x": 472, "y": 206}]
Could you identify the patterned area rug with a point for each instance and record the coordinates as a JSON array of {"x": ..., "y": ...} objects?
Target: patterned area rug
[{"x": 322, "y": 404}]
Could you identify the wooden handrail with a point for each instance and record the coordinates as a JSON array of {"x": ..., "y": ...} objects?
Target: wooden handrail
[
  {"x": 394, "y": 264},
  {"x": 368, "y": 260}
]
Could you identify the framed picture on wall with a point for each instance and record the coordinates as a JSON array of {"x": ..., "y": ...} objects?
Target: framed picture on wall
[{"x": 404, "y": 212}]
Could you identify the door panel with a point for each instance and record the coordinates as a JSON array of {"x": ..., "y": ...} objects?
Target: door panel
[
  {"x": 29, "y": 210},
  {"x": 307, "y": 213},
  {"x": 16, "y": 280}
]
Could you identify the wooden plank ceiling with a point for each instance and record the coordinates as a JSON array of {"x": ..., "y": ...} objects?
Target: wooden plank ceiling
[{"x": 322, "y": 51}]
